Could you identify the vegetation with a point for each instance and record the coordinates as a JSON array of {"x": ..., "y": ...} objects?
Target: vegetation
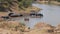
[
  {"x": 13, "y": 26},
  {"x": 21, "y": 3},
  {"x": 58, "y": 0},
  {"x": 25, "y": 3}
]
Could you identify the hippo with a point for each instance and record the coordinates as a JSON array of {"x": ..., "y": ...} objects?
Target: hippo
[
  {"x": 20, "y": 15},
  {"x": 10, "y": 14},
  {"x": 32, "y": 14},
  {"x": 39, "y": 15},
  {"x": 5, "y": 17},
  {"x": 15, "y": 15}
]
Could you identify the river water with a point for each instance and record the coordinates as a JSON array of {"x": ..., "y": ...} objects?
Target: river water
[{"x": 51, "y": 15}]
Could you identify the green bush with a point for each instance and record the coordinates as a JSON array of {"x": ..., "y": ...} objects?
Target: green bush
[
  {"x": 58, "y": 0},
  {"x": 20, "y": 3}
]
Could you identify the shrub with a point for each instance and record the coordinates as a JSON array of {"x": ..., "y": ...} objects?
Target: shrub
[{"x": 58, "y": 0}]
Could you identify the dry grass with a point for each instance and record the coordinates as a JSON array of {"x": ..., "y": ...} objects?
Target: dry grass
[
  {"x": 12, "y": 25},
  {"x": 6, "y": 31},
  {"x": 3, "y": 13},
  {"x": 29, "y": 9}
]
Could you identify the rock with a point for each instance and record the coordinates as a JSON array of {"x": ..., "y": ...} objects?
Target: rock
[
  {"x": 12, "y": 25},
  {"x": 6, "y": 31},
  {"x": 41, "y": 25},
  {"x": 45, "y": 27},
  {"x": 57, "y": 29},
  {"x": 37, "y": 31},
  {"x": 41, "y": 28},
  {"x": 27, "y": 29}
]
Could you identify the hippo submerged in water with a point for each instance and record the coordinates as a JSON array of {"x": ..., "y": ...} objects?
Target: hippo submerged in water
[
  {"x": 36, "y": 15},
  {"x": 32, "y": 14},
  {"x": 15, "y": 15},
  {"x": 39, "y": 15},
  {"x": 5, "y": 17}
]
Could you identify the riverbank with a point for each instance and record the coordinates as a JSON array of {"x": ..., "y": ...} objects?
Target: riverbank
[
  {"x": 30, "y": 10},
  {"x": 14, "y": 27},
  {"x": 3, "y": 14},
  {"x": 40, "y": 28},
  {"x": 55, "y": 3},
  {"x": 43, "y": 28},
  {"x": 22, "y": 11},
  {"x": 46, "y": 2},
  {"x": 26, "y": 11}
]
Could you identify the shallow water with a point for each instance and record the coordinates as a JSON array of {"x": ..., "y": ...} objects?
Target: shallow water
[{"x": 51, "y": 15}]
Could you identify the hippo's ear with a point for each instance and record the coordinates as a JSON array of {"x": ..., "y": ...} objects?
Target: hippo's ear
[{"x": 10, "y": 14}]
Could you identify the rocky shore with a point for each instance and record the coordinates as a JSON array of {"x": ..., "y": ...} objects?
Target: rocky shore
[
  {"x": 43, "y": 28},
  {"x": 14, "y": 27}
]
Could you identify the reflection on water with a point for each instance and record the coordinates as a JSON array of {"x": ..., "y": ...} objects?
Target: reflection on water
[{"x": 51, "y": 15}]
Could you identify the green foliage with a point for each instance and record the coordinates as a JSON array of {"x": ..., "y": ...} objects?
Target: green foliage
[
  {"x": 5, "y": 4},
  {"x": 58, "y": 0},
  {"x": 25, "y": 3},
  {"x": 14, "y": 26},
  {"x": 20, "y": 3}
]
